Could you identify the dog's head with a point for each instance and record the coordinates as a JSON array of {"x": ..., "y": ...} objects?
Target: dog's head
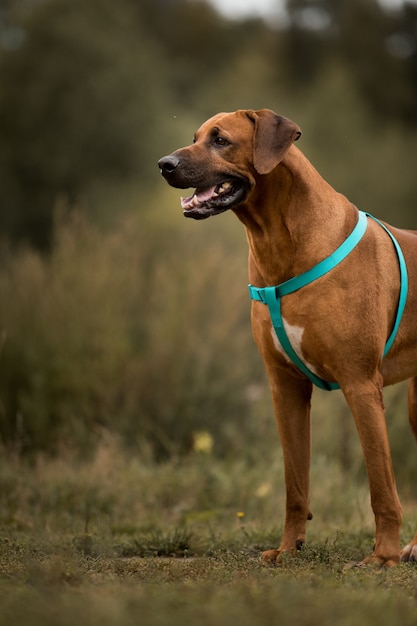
[{"x": 229, "y": 151}]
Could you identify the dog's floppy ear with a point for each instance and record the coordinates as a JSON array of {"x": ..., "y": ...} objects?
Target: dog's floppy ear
[{"x": 273, "y": 136}]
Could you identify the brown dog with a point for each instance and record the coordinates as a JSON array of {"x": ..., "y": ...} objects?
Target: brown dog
[{"x": 337, "y": 325}]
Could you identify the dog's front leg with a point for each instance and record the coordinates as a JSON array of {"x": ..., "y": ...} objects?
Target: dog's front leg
[
  {"x": 366, "y": 403},
  {"x": 291, "y": 397}
]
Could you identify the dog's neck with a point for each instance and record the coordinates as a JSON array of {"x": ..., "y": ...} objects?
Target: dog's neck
[{"x": 292, "y": 232}]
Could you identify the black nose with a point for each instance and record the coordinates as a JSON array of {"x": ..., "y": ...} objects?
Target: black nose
[{"x": 168, "y": 164}]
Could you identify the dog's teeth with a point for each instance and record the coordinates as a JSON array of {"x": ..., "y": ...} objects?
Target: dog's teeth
[
  {"x": 224, "y": 187},
  {"x": 195, "y": 201},
  {"x": 215, "y": 194}
]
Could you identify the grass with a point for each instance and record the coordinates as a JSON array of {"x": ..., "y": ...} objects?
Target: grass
[{"x": 120, "y": 540}]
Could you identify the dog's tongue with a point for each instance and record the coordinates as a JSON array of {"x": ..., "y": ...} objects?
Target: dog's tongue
[
  {"x": 204, "y": 194},
  {"x": 200, "y": 194}
]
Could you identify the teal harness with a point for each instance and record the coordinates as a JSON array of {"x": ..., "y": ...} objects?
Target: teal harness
[{"x": 271, "y": 296}]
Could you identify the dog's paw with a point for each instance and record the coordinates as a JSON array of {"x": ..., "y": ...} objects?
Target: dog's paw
[
  {"x": 378, "y": 562},
  {"x": 270, "y": 557},
  {"x": 273, "y": 557},
  {"x": 409, "y": 553}
]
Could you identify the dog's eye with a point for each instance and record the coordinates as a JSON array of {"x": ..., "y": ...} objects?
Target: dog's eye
[{"x": 221, "y": 141}]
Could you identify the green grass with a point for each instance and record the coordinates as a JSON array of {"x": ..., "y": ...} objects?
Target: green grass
[
  {"x": 123, "y": 541},
  {"x": 61, "y": 584}
]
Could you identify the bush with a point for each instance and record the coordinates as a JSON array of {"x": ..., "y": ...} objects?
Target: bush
[{"x": 137, "y": 330}]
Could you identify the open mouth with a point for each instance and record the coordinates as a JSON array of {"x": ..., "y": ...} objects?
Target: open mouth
[{"x": 208, "y": 201}]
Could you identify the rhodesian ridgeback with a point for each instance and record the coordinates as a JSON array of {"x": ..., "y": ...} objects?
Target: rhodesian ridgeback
[{"x": 334, "y": 300}]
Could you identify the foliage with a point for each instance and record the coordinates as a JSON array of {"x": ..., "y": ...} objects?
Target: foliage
[
  {"x": 99, "y": 334},
  {"x": 79, "y": 107},
  {"x": 377, "y": 47}
]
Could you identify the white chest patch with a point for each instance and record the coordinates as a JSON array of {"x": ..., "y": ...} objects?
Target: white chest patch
[{"x": 295, "y": 336}]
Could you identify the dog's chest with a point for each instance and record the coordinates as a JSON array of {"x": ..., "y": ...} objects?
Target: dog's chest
[{"x": 295, "y": 336}]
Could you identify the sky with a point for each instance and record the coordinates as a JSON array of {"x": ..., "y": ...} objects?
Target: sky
[
  {"x": 241, "y": 8},
  {"x": 237, "y": 8}
]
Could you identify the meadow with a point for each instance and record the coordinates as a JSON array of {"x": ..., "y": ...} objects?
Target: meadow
[{"x": 122, "y": 540}]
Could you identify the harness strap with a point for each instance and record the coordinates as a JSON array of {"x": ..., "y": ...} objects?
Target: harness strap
[
  {"x": 402, "y": 298},
  {"x": 271, "y": 296}
]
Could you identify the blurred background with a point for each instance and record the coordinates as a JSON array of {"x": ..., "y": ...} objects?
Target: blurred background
[{"x": 118, "y": 317}]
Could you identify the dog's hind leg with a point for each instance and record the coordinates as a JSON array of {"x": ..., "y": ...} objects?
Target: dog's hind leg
[{"x": 409, "y": 552}]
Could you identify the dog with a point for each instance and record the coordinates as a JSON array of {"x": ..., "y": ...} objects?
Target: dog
[{"x": 334, "y": 300}]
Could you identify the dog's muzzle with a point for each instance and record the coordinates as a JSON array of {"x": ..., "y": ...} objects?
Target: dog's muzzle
[{"x": 225, "y": 192}]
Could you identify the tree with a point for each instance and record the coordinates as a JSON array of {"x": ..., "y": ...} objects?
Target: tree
[{"x": 80, "y": 105}]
